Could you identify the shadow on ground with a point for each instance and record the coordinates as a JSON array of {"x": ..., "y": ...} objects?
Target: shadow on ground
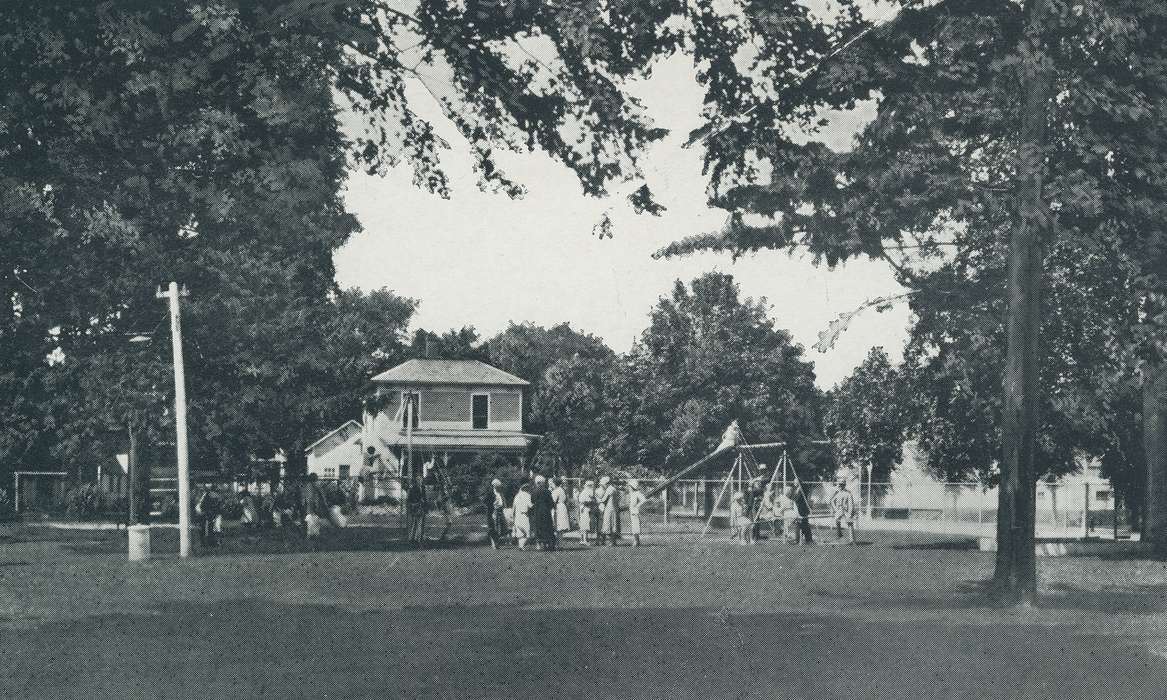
[
  {"x": 260, "y": 649},
  {"x": 239, "y": 542}
]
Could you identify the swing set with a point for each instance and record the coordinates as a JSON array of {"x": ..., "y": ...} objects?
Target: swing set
[{"x": 742, "y": 472}]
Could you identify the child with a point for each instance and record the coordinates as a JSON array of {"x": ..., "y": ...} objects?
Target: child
[
  {"x": 250, "y": 515},
  {"x": 743, "y": 527},
  {"x": 635, "y": 500},
  {"x": 209, "y": 508},
  {"x": 789, "y": 513}
]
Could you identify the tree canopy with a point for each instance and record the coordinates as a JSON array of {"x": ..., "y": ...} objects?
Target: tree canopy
[
  {"x": 568, "y": 400},
  {"x": 710, "y": 356},
  {"x": 867, "y": 416},
  {"x": 143, "y": 143}
]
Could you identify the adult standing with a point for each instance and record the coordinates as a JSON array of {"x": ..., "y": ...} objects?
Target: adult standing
[
  {"x": 496, "y": 522},
  {"x": 544, "y": 514},
  {"x": 755, "y": 500},
  {"x": 313, "y": 505},
  {"x": 843, "y": 510},
  {"x": 209, "y": 508},
  {"x": 415, "y": 512},
  {"x": 589, "y": 512},
  {"x": 562, "y": 516},
  {"x": 522, "y": 514},
  {"x": 611, "y": 501},
  {"x": 635, "y": 500},
  {"x": 803, "y": 506}
]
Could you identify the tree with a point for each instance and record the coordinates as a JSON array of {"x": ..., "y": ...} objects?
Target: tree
[
  {"x": 962, "y": 147},
  {"x": 459, "y": 344},
  {"x": 709, "y": 357},
  {"x": 567, "y": 402},
  {"x": 201, "y": 143},
  {"x": 866, "y": 416}
]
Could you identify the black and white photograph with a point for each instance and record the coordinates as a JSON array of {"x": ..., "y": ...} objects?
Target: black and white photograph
[{"x": 599, "y": 349}]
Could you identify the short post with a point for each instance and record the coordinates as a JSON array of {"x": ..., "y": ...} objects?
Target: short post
[
  {"x": 869, "y": 511},
  {"x": 1085, "y": 510},
  {"x": 666, "y": 511},
  {"x": 1114, "y": 512},
  {"x": 139, "y": 542}
]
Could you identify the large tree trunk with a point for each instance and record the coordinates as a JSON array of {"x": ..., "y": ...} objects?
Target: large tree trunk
[
  {"x": 1155, "y": 451},
  {"x": 1015, "y": 577}
]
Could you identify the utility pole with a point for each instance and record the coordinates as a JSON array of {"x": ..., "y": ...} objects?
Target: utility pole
[
  {"x": 132, "y": 468},
  {"x": 172, "y": 294}
]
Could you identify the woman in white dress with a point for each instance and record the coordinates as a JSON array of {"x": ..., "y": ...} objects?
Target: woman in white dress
[
  {"x": 522, "y": 515},
  {"x": 559, "y": 498}
]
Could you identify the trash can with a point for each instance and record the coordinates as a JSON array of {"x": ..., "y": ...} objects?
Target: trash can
[{"x": 139, "y": 542}]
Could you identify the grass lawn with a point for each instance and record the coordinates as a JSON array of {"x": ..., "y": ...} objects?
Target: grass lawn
[{"x": 899, "y": 616}]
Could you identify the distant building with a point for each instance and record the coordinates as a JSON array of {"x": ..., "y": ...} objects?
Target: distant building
[{"x": 338, "y": 454}]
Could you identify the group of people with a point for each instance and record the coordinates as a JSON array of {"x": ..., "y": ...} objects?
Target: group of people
[
  {"x": 539, "y": 513},
  {"x": 304, "y": 504},
  {"x": 788, "y": 512}
]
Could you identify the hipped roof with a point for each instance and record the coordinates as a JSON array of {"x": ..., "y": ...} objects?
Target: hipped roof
[{"x": 469, "y": 372}]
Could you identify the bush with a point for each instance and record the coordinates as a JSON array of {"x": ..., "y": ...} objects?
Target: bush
[
  {"x": 168, "y": 509},
  {"x": 470, "y": 478},
  {"x": 83, "y": 501},
  {"x": 7, "y": 507}
]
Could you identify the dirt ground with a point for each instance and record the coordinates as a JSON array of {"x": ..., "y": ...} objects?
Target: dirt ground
[{"x": 357, "y": 615}]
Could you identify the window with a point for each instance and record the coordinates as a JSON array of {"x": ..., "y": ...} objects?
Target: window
[
  {"x": 410, "y": 402},
  {"x": 481, "y": 410},
  {"x": 330, "y": 472},
  {"x": 345, "y": 471},
  {"x": 1102, "y": 495}
]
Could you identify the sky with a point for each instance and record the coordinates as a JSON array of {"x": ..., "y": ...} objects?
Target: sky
[{"x": 483, "y": 260}]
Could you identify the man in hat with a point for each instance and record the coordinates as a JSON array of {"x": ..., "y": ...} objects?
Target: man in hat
[
  {"x": 843, "y": 509},
  {"x": 635, "y": 500}
]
